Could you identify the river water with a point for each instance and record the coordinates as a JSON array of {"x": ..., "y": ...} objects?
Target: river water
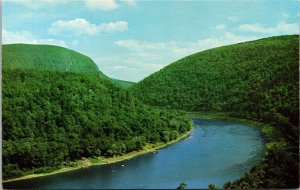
[{"x": 216, "y": 152}]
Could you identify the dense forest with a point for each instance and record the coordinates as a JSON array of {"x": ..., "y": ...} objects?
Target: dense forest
[
  {"x": 47, "y": 58},
  {"x": 122, "y": 83},
  {"x": 255, "y": 80},
  {"x": 55, "y": 112}
]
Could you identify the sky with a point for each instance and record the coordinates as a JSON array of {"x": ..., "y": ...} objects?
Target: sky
[{"x": 130, "y": 39}]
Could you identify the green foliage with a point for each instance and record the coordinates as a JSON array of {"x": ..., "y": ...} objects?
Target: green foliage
[
  {"x": 47, "y": 58},
  {"x": 212, "y": 187},
  {"x": 53, "y": 117},
  {"x": 122, "y": 84},
  {"x": 182, "y": 186},
  {"x": 256, "y": 80}
]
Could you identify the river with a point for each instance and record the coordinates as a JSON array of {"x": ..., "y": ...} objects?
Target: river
[{"x": 216, "y": 152}]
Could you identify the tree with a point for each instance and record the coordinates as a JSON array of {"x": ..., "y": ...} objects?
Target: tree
[
  {"x": 181, "y": 186},
  {"x": 212, "y": 187}
]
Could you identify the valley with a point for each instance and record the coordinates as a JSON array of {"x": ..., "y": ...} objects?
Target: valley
[{"x": 58, "y": 109}]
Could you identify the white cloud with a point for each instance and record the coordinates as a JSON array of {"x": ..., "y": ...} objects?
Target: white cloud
[
  {"x": 139, "y": 46},
  {"x": 220, "y": 27},
  {"x": 146, "y": 55},
  {"x": 104, "y": 5},
  {"x": 152, "y": 67},
  {"x": 259, "y": 28},
  {"x": 232, "y": 18},
  {"x": 285, "y": 15},
  {"x": 288, "y": 28},
  {"x": 119, "y": 67},
  {"x": 231, "y": 38},
  {"x": 180, "y": 49},
  {"x": 81, "y": 26},
  {"x": 93, "y": 5},
  {"x": 75, "y": 42},
  {"x": 52, "y": 2},
  {"x": 129, "y": 2},
  {"x": 281, "y": 28},
  {"x": 142, "y": 58},
  {"x": 9, "y": 37},
  {"x": 34, "y": 4}
]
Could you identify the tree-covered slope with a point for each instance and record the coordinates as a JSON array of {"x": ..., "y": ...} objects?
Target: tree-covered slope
[
  {"x": 47, "y": 58},
  {"x": 256, "y": 80},
  {"x": 122, "y": 84},
  {"x": 51, "y": 117}
]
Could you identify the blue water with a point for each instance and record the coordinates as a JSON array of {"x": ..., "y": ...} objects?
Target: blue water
[{"x": 216, "y": 152}]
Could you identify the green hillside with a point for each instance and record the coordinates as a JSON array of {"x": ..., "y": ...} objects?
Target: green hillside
[
  {"x": 122, "y": 84},
  {"x": 46, "y": 58},
  {"x": 52, "y": 117},
  {"x": 255, "y": 80}
]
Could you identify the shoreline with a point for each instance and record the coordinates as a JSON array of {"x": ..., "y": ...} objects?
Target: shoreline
[
  {"x": 225, "y": 117},
  {"x": 87, "y": 162},
  {"x": 265, "y": 129},
  {"x": 148, "y": 148}
]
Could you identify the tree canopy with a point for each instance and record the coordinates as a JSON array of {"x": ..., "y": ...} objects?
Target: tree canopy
[
  {"x": 51, "y": 117},
  {"x": 257, "y": 80}
]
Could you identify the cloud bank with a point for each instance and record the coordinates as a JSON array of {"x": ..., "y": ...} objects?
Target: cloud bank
[
  {"x": 80, "y": 26},
  {"x": 9, "y": 37},
  {"x": 104, "y": 5},
  {"x": 281, "y": 28}
]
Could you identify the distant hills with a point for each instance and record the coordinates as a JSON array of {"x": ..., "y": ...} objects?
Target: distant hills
[
  {"x": 58, "y": 108},
  {"x": 123, "y": 84},
  {"x": 257, "y": 80}
]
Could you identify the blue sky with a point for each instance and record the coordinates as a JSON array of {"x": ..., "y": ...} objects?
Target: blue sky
[{"x": 131, "y": 39}]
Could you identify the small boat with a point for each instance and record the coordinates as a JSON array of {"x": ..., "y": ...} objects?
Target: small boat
[{"x": 122, "y": 165}]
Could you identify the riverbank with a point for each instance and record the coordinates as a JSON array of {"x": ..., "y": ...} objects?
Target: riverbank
[
  {"x": 226, "y": 117},
  {"x": 87, "y": 162},
  {"x": 222, "y": 116},
  {"x": 268, "y": 131}
]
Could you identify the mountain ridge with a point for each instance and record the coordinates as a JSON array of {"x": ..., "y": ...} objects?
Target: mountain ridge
[
  {"x": 256, "y": 80},
  {"x": 47, "y": 58}
]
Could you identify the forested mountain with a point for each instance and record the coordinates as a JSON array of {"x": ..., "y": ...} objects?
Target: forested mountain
[
  {"x": 58, "y": 108},
  {"x": 257, "y": 80},
  {"x": 47, "y": 58},
  {"x": 122, "y": 83}
]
